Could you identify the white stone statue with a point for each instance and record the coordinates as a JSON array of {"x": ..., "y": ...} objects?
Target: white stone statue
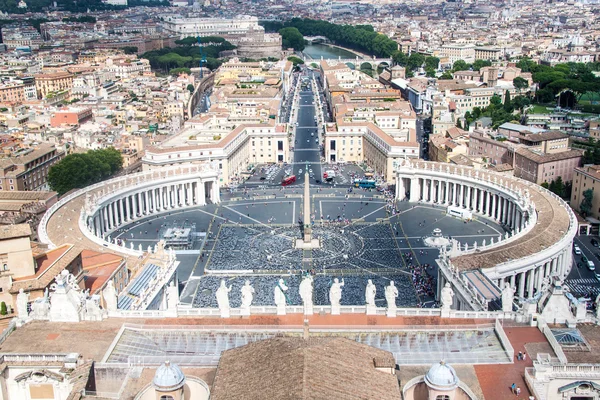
[
  {"x": 40, "y": 308},
  {"x": 172, "y": 296},
  {"x": 508, "y": 294},
  {"x": 335, "y": 295},
  {"x": 67, "y": 301},
  {"x": 22, "y": 300},
  {"x": 92, "y": 311},
  {"x": 223, "y": 299},
  {"x": 370, "y": 292},
  {"x": 598, "y": 307},
  {"x": 110, "y": 296},
  {"x": 446, "y": 296},
  {"x": 247, "y": 297},
  {"x": 306, "y": 294},
  {"x": 279, "y": 296},
  {"x": 391, "y": 294}
]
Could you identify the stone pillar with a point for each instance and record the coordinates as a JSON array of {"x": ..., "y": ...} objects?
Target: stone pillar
[
  {"x": 127, "y": 209},
  {"x": 522, "y": 284},
  {"x": 415, "y": 188},
  {"x": 140, "y": 203},
  {"x": 513, "y": 281},
  {"x": 110, "y": 216},
  {"x": 134, "y": 204},
  {"x": 431, "y": 191},
  {"x": 439, "y": 193},
  {"x": 446, "y": 190},
  {"x": 530, "y": 282},
  {"x": 121, "y": 211},
  {"x": 494, "y": 207},
  {"x": 488, "y": 204},
  {"x": 147, "y": 203},
  {"x": 461, "y": 202},
  {"x": 505, "y": 211}
]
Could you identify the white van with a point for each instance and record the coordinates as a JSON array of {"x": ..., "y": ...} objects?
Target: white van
[
  {"x": 576, "y": 249},
  {"x": 590, "y": 265}
]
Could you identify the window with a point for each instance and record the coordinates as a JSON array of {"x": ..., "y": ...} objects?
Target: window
[
  {"x": 166, "y": 397},
  {"x": 439, "y": 397}
]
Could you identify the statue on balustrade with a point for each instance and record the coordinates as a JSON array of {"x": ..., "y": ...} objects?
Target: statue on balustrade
[
  {"x": 223, "y": 299},
  {"x": 391, "y": 294},
  {"x": 22, "y": 301},
  {"x": 335, "y": 292},
  {"x": 370, "y": 292},
  {"x": 508, "y": 294},
  {"x": 447, "y": 296},
  {"x": 306, "y": 294},
  {"x": 247, "y": 295}
]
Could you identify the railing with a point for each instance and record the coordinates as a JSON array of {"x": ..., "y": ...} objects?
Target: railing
[
  {"x": 12, "y": 325},
  {"x": 510, "y": 351},
  {"x": 13, "y": 357},
  {"x": 552, "y": 341},
  {"x": 576, "y": 370},
  {"x": 529, "y": 371}
]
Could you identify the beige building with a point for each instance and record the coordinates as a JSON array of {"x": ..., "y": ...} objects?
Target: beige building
[
  {"x": 16, "y": 257},
  {"x": 53, "y": 82},
  {"x": 30, "y": 170},
  {"x": 538, "y": 167},
  {"x": 585, "y": 178},
  {"x": 455, "y": 52}
]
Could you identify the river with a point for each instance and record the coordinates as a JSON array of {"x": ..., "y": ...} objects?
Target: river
[{"x": 317, "y": 51}]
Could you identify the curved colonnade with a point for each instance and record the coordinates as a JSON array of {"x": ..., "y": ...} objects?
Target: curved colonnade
[
  {"x": 541, "y": 227},
  {"x": 106, "y": 206}
]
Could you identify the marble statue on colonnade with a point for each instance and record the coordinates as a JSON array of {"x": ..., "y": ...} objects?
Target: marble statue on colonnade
[
  {"x": 306, "y": 294},
  {"x": 370, "y": 292},
  {"x": 447, "y": 297},
  {"x": 508, "y": 294},
  {"x": 280, "y": 297},
  {"x": 22, "y": 301},
  {"x": 110, "y": 296},
  {"x": 391, "y": 294},
  {"x": 223, "y": 299},
  {"x": 335, "y": 295},
  {"x": 247, "y": 297}
]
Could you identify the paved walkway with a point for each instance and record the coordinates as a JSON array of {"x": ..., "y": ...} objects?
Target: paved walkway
[{"x": 495, "y": 380}]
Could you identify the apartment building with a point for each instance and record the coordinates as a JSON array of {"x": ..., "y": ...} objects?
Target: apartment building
[
  {"x": 585, "y": 178},
  {"x": 231, "y": 152},
  {"x": 536, "y": 166},
  {"x": 455, "y": 52},
  {"x": 17, "y": 90},
  {"x": 29, "y": 170},
  {"x": 53, "y": 82},
  {"x": 71, "y": 116},
  {"x": 488, "y": 53}
]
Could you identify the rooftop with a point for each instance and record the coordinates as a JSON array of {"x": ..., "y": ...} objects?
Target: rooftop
[{"x": 14, "y": 231}]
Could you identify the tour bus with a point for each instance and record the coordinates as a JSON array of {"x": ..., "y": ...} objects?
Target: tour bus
[
  {"x": 288, "y": 181},
  {"x": 365, "y": 183}
]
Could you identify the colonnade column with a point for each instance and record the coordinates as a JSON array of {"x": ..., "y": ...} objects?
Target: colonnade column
[
  {"x": 522, "y": 284},
  {"x": 446, "y": 190}
]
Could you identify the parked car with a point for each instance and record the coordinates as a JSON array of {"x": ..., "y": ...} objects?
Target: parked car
[
  {"x": 591, "y": 266},
  {"x": 594, "y": 243},
  {"x": 576, "y": 249}
]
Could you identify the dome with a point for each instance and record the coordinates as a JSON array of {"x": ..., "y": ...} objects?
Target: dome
[
  {"x": 441, "y": 377},
  {"x": 168, "y": 377}
]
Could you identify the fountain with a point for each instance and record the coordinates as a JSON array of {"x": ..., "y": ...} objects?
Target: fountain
[{"x": 436, "y": 239}]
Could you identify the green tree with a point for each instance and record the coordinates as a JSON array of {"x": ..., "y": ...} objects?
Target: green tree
[
  {"x": 460, "y": 65},
  {"x": 400, "y": 58},
  {"x": 415, "y": 61},
  {"x": 507, "y": 103},
  {"x": 130, "y": 49},
  {"x": 3, "y": 310},
  {"x": 179, "y": 71},
  {"x": 80, "y": 170},
  {"x": 292, "y": 38},
  {"x": 430, "y": 72},
  {"x": 447, "y": 75},
  {"x": 432, "y": 62},
  {"x": 190, "y": 87},
  {"x": 585, "y": 208},
  {"x": 520, "y": 83},
  {"x": 478, "y": 64},
  {"x": 295, "y": 60}
]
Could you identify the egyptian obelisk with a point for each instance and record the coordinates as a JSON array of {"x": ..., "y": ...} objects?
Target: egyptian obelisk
[{"x": 307, "y": 231}]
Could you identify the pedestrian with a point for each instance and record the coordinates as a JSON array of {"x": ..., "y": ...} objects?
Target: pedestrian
[
  {"x": 518, "y": 391},
  {"x": 524, "y": 356},
  {"x": 513, "y": 388},
  {"x": 520, "y": 356}
]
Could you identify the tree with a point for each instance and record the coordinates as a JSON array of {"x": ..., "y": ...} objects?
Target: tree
[
  {"x": 478, "y": 64},
  {"x": 130, "y": 49},
  {"x": 80, "y": 170},
  {"x": 179, "y": 71},
  {"x": 520, "y": 83},
  {"x": 447, "y": 75},
  {"x": 292, "y": 38},
  {"x": 415, "y": 60},
  {"x": 400, "y": 58},
  {"x": 460, "y": 65},
  {"x": 190, "y": 87},
  {"x": 585, "y": 208},
  {"x": 3, "y": 310},
  {"x": 458, "y": 124},
  {"x": 432, "y": 62},
  {"x": 507, "y": 104},
  {"x": 295, "y": 60}
]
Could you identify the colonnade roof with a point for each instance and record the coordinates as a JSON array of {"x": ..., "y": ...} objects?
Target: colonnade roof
[{"x": 552, "y": 224}]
